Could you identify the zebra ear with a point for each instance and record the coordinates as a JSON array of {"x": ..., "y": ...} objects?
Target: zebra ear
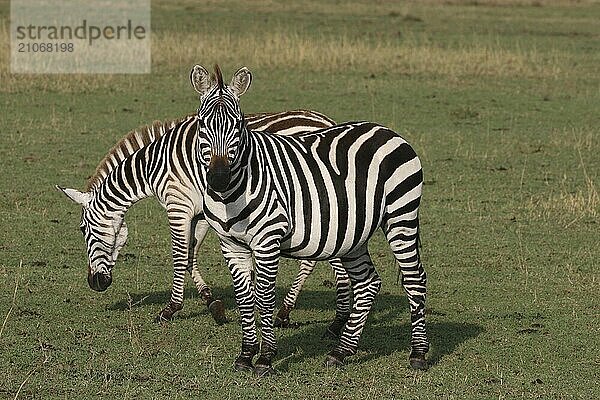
[
  {"x": 81, "y": 198},
  {"x": 200, "y": 79},
  {"x": 241, "y": 81}
]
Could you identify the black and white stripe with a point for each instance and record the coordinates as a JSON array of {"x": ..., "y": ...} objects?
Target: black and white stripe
[
  {"x": 158, "y": 160},
  {"x": 314, "y": 196}
]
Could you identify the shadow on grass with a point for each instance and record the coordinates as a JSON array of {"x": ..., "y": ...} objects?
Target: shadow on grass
[
  {"x": 309, "y": 299},
  {"x": 387, "y": 330},
  {"x": 377, "y": 341},
  {"x": 143, "y": 299}
]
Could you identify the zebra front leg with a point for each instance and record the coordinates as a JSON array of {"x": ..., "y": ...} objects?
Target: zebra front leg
[
  {"x": 343, "y": 299},
  {"x": 267, "y": 262},
  {"x": 282, "y": 319},
  {"x": 239, "y": 262},
  {"x": 365, "y": 286},
  {"x": 215, "y": 306},
  {"x": 180, "y": 223}
]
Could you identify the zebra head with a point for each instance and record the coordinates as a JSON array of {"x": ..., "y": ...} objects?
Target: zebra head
[
  {"x": 104, "y": 237},
  {"x": 220, "y": 125}
]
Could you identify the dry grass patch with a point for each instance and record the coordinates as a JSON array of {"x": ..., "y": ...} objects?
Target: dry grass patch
[
  {"x": 568, "y": 207},
  {"x": 583, "y": 201},
  {"x": 365, "y": 7},
  {"x": 513, "y": 3},
  {"x": 282, "y": 48},
  {"x": 583, "y": 139},
  {"x": 406, "y": 56}
]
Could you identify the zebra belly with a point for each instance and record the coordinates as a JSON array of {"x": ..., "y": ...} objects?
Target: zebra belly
[
  {"x": 334, "y": 224},
  {"x": 332, "y": 240}
]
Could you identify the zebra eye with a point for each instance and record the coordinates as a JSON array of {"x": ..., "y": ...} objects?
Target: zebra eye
[{"x": 82, "y": 229}]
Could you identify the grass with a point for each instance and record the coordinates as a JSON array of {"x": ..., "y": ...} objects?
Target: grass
[{"x": 499, "y": 99}]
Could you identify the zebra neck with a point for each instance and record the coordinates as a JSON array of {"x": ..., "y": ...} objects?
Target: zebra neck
[{"x": 126, "y": 184}]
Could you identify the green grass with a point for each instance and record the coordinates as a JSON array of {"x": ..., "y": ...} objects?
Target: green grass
[{"x": 501, "y": 101}]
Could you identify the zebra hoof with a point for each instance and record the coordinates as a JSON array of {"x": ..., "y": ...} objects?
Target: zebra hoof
[
  {"x": 161, "y": 318},
  {"x": 418, "y": 361},
  {"x": 281, "y": 323},
  {"x": 244, "y": 361},
  {"x": 335, "y": 359},
  {"x": 243, "y": 364},
  {"x": 282, "y": 319},
  {"x": 262, "y": 371},
  {"x": 167, "y": 313},
  {"x": 333, "y": 362},
  {"x": 217, "y": 310}
]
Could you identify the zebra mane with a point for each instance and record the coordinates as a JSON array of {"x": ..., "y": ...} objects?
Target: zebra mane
[
  {"x": 219, "y": 79},
  {"x": 133, "y": 141}
]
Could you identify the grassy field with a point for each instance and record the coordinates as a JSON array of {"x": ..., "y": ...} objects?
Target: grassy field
[{"x": 501, "y": 100}]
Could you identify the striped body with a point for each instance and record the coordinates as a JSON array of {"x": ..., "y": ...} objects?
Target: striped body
[
  {"x": 313, "y": 196},
  {"x": 324, "y": 205},
  {"x": 320, "y": 196},
  {"x": 158, "y": 160}
]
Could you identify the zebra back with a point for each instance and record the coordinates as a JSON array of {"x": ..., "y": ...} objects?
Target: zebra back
[{"x": 284, "y": 123}]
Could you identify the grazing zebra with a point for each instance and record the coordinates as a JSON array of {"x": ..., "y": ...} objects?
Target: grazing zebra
[
  {"x": 158, "y": 160},
  {"x": 315, "y": 196}
]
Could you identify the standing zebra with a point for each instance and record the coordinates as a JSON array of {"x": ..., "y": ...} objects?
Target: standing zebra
[
  {"x": 312, "y": 196},
  {"x": 158, "y": 160}
]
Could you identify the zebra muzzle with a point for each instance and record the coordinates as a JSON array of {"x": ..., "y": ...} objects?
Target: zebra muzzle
[
  {"x": 99, "y": 281},
  {"x": 219, "y": 173}
]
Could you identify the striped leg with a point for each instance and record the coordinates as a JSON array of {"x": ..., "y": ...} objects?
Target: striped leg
[
  {"x": 365, "y": 286},
  {"x": 343, "y": 299},
  {"x": 267, "y": 262},
  {"x": 180, "y": 223},
  {"x": 239, "y": 261},
  {"x": 216, "y": 307},
  {"x": 200, "y": 230},
  {"x": 283, "y": 315},
  {"x": 402, "y": 234}
]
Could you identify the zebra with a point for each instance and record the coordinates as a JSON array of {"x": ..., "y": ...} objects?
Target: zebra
[
  {"x": 314, "y": 196},
  {"x": 157, "y": 160}
]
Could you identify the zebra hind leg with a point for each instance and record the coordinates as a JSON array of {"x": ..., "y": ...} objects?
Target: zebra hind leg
[
  {"x": 282, "y": 319},
  {"x": 215, "y": 306},
  {"x": 365, "y": 286},
  {"x": 343, "y": 300},
  {"x": 402, "y": 236}
]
